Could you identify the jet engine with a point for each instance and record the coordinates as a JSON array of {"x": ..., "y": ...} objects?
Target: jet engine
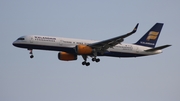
[
  {"x": 83, "y": 50},
  {"x": 66, "y": 56}
]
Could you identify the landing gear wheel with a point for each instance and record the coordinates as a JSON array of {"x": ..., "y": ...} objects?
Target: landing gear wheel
[
  {"x": 93, "y": 59},
  {"x": 31, "y": 56},
  {"x": 97, "y": 60},
  {"x": 84, "y": 63},
  {"x": 87, "y": 63}
]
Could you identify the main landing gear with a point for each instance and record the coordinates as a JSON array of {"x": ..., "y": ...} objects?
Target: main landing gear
[
  {"x": 31, "y": 52},
  {"x": 95, "y": 59},
  {"x": 85, "y": 60},
  {"x": 87, "y": 63}
]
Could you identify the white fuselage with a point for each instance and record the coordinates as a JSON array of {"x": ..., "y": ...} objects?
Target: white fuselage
[{"x": 68, "y": 44}]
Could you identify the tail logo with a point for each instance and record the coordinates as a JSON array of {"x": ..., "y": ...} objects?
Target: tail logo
[{"x": 152, "y": 35}]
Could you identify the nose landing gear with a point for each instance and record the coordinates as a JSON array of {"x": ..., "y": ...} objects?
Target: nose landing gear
[
  {"x": 31, "y": 52},
  {"x": 31, "y": 56}
]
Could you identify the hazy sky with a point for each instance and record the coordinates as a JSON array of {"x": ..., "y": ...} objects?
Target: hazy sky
[{"x": 45, "y": 78}]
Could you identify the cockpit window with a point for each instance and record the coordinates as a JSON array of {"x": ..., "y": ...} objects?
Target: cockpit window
[{"x": 20, "y": 39}]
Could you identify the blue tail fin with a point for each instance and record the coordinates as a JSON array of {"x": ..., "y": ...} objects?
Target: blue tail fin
[{"x": 151, "y": 37}]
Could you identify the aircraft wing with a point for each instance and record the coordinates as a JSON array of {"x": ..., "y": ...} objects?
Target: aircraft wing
[{"x": 102, "y": 46}]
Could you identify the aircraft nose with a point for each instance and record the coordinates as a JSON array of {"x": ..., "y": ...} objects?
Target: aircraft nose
[{"x": 14, "y": 43}]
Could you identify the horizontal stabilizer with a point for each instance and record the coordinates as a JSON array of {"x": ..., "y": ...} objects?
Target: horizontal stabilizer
[{"x": 157, "y": 48}]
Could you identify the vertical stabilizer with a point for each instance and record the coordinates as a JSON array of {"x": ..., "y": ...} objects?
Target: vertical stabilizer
[{"x": 151, "y": 37}]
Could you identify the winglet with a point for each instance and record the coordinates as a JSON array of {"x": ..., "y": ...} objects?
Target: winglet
[
  {"x": 135, "y": 28},
  {"x": 130, "y": 33}
]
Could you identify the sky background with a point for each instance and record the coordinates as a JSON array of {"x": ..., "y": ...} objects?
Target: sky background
[{"x": 45, "y": 78}]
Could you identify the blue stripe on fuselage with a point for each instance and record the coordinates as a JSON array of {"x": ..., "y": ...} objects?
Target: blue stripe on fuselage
[
  {"x": 72, "y": 50},
  {"x": 120, "y": 54},
  {"x": 42, "y": 47}
]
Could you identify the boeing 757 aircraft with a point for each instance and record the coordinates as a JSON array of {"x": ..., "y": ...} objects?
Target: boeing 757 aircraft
[{"x": 70, "y": 48}]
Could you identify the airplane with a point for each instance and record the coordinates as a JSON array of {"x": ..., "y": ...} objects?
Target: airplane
[{"x": 69, "y": 49}]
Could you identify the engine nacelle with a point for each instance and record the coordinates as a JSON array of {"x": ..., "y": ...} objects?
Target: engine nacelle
[
  {"x": 66, "y": 56},
  {"x": 83, "y": 50}
]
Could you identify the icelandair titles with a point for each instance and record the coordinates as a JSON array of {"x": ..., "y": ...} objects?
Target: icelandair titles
[
  {"x": 39, "y": 38},
  {"x": 147, "y": 43}
]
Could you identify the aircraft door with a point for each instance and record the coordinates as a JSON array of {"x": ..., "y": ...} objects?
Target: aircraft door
[
  {"x": 61, "y": 42},
  {"x": 31, "y": 40},
  {"x": 137, "y": 49}
]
